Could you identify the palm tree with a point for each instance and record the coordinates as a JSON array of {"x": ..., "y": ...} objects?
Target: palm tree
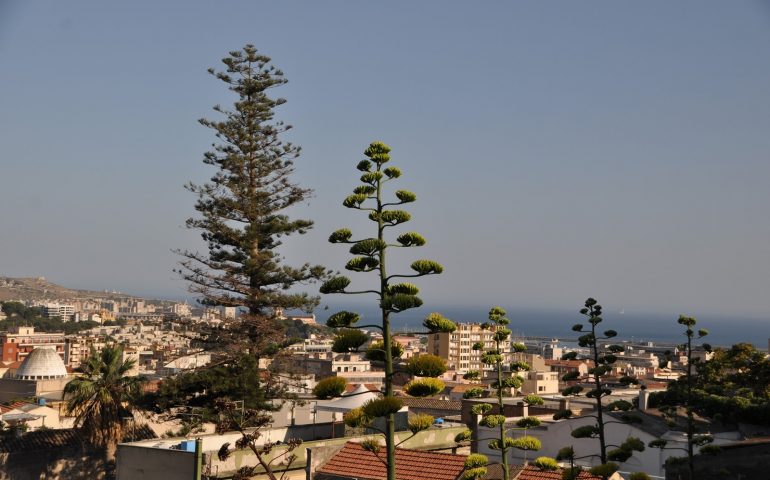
[{"x": 103, "y": 396}]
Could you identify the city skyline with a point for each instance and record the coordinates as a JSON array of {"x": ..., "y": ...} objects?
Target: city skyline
[{"x": 557, "y": 151}]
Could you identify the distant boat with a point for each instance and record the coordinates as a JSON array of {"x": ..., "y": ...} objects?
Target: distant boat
[{"x": 622, "y": 311}]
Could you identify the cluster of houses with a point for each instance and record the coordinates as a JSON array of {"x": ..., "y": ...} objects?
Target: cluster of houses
[{"x": 330, "y": 449}]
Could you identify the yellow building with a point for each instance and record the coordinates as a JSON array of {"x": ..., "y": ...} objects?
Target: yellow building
[{"x": 457, "y": 347}]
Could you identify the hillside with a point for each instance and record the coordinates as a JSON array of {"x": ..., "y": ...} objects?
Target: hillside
[{"x": 38, "y": 288}]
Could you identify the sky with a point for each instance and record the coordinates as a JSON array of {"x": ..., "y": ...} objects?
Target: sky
[{"x": 559, "y": 150}]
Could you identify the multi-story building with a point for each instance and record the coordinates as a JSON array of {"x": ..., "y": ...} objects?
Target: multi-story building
[
  {"x": 65, "y": 312},
  {"x": 20, "y": 341},
  {"x": 457, "y": 347},
  {"x": 79, "y": 347}
]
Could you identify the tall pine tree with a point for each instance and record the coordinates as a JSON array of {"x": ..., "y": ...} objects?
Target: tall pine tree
[{"x": 242, "y": 218}]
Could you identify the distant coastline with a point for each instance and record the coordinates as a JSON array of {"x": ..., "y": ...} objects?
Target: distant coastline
[{"x": 653, "y": 327}]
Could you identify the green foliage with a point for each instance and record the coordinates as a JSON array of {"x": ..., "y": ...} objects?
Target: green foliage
[
  {"x": 371, "y": 445},
  {"x": 201, "y": 388},
  {"x": 622, "y": 405},
  {"x": 403, "y": 288},
  {"x": 520, "y": 366},
  {"x": 335, "y": 285},
  {"x": 573, "y": 390},
  {"x": 242, "y": 208},
  {"x": 492, "y": 421},
  {"x": 342, "y": 235},
  {"x": 405, "y": 196},
  {"x": 376, "y": 351},
  {"x": 710, "y": 449},
  {"x": 533, "y": 400},
  {"x": 19, "y": 315},
  {"x": 426, "y": 365},
  {"x": 424, "y": 387},
  {"x": 427, "y": 267},
  {"x": 562, "y": 414},
  {"x": 342, "y": 319},
  {"x": 671, "y": 461},
  {"x": 368, "y": 247},
  {"x": 639, "y": 476},
  {"x": 463, "y": 436},
  {"x": 103, "y": 396},
  {"x": 474, "y": 473},
  {"x": 566, "y": 453},
  {"x": 420, "y": 422},
  {"x": 349, "y": 340},
  {"x": 382, "y": 407},
  {"x": 411, "y": 239},
  {"x": 528, "y": 422},
  {"x": 400, "y": 302},
  {"x": 571, "y": 473},
  {"x": 586, "y": 431},
  {"x": 356, "y": 418},
  {"x": 527, "y": 442},
  {"x": 510, "y": 382},
  {"x": 475, "y": 392},
  {"x": 362, "y": 264},
  {"x": 570, "y": 376},
  {"x": 481, "y": 408},
  {"x": 518, "y": 347},
  {"x": 658, "y": 443},
  {"x": 604, "y": 470},
  {"x": 330, "y": 387},
  {"x": 546, "y": 464},
  {"x": 471, "y": 375},
  {"x": 475, "y": 460},
  {"x": 435, "y": 323}
]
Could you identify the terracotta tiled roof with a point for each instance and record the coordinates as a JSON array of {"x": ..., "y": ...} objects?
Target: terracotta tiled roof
[
  {"x": 47, "y": 440},
  {"x": 354, "y": 462},
  {"x": 569, "y": 363},
  {"x": 464, "y": 387},
  {"x": 530, "y": 472},
  {"x": 13, "y": 406},
  {"x": 369, "y": 386},
  {"x": 432, "y": 404}
]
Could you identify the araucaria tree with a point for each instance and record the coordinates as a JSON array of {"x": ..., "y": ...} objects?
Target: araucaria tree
[
  {"x": 370, "y": 256},
  {"x": 242, "y": 218},
  {"x": 684, "y": 389},
  {"x": 603, "y": 360}
]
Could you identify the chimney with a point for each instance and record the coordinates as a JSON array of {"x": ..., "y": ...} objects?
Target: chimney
[{"x": 564, "y": 403}]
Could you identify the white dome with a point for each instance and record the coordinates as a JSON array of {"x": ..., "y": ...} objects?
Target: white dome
[{"x": 42, "y": 364}]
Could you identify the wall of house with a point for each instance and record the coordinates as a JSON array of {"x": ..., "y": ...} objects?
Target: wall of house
[
  {"x": 52, "y": 465},
  {"x": 556, "y": 435},
  {"x": 139, "y": 463},
  {"x": 740, "y": 461}
]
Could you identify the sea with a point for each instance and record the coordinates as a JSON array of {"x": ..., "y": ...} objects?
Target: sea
[{"x": 724, "y": 330}]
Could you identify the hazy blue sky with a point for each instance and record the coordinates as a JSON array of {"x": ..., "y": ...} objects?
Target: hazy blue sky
[{"x": 558, "y": 149}]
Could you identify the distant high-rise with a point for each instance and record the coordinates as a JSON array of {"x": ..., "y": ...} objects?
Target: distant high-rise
[{"x": 457, "y": 347}]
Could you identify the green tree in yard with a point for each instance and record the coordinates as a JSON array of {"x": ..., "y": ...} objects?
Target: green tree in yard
[
  {"x": 686, "y": 386},
  {"x": 242, "y": 209},
  {"x": 242, "y": 217},
  {"x": 603, "y": 361},
  {"x": 330, "y": 387},
  {"x": 370, "y": 256},
  {"x": 102, "y": 397}
]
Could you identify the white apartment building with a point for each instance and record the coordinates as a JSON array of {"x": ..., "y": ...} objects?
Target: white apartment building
[
  {"x": 63, "y": 311},
  {"x": 457, "y": 347}
]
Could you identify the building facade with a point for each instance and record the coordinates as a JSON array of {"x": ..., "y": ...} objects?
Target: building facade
[
  {"x": 457, "y": 347},
  {"x": 20, "y": 341}
]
